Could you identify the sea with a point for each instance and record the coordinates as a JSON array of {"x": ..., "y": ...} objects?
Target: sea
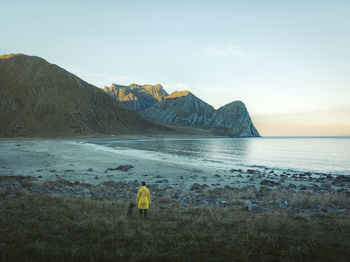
[{"x": 327, "y": 155}]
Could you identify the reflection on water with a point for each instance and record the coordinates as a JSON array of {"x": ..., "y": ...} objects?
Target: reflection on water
[{"x": 328, "y": 155}]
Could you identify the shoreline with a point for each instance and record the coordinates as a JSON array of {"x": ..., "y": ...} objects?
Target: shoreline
[{"x": 67, "y": 168}]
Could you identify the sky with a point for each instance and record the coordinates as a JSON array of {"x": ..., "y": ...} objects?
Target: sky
[{"x": 287, "y": 60}]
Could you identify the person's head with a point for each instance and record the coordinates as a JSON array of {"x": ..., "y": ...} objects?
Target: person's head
[{"x": 143, "y": 183}]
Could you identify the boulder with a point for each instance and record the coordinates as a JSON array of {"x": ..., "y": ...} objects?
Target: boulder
[{"x": 341, "y": 179}]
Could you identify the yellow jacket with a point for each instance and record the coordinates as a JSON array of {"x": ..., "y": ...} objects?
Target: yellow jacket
[{"x": 143, "y": 198}]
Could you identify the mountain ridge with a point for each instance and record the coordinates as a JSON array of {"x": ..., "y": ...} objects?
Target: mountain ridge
[
  {"x": 135, "y": 96},
  {"x": 183, "y": 107},
  {"x": 40, "y": 98}
]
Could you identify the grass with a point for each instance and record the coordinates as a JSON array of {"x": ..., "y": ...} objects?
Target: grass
[{"x": 45, "y": 228}]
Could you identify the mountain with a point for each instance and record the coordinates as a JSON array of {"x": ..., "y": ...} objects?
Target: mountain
[
  {"x": 39, "y": 98},
  {"x": 181, "y": 108},
  {"x": 233, "y": 119},
  {"x": 137, "y": 97},
  {"x": 185, "y": 108}
]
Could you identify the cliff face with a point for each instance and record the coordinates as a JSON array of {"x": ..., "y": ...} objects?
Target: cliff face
[
  {"x": 39, "y": 98},
  {"x": 233, "y": 119},
  {"x": 182, "y": 108},
  {"x": 137, "y": 97},
  {"x": 185, "y": 108}
]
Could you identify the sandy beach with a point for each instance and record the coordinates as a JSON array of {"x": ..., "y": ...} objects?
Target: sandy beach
[{"x": 70, "y": 167}]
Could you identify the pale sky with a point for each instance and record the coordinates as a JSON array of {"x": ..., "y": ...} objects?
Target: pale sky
[{"x": 288, "y": 61}]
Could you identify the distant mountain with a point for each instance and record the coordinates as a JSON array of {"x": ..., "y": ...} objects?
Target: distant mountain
[
  {"x": 137, "y": 97},
  {"x": 185, "y": 108},
  {"x": 233, "y": 119},
  {"x": 181, "y": 108},
  {"x": 39, "y": 98}
]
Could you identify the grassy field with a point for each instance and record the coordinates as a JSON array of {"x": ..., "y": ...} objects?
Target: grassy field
[{"x": 44, "y": 228}]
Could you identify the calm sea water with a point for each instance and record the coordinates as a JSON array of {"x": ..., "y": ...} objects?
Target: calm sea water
[{"x": 313, "y": 154}]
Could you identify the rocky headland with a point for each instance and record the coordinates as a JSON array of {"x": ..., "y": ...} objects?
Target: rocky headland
[{"x": 185, "y": 109}]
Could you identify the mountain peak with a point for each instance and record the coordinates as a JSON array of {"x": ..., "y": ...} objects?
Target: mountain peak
[
  {"x": 40, "y": 98},
  {"x": 7, "y": 56},
  {"x": 177, "y": 94},
  {"x": 137, "y": 97}
]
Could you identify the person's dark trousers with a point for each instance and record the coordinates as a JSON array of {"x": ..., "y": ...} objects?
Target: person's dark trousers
[{"x": 144, "y": 211}]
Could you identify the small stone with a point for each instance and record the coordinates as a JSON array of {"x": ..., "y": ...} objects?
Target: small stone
[
  {"x": 90, "y": 170},
  {"x": 292, "y": 185},
  {"x": 325, "y": 186},
  {"x": 302, "y": 187},
  {"x": 269, "y": 183},
  {"x": 254, "y": 208}
]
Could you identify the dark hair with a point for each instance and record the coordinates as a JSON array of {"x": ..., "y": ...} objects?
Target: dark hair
[{"x": 143, "y": 183}]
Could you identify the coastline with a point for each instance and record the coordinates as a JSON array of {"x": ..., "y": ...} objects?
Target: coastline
[{"x": 68, "y": 167}]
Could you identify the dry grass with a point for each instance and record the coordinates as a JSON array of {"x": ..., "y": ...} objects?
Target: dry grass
[{"x": 44, "y": 228}]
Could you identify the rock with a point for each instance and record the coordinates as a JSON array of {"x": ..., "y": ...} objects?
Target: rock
[
  {"x": 310, "y": 213},
  {"x": 40, "y": 176},
  {"x": 302, "y": 187},
  {"x": 341, "y": 179},
  {"x": 90, "y": 170},
  {"x": 198, "y": 187},
  {"x": 120, "y": 168},
  {"x": 228, "y": 188},
  {"x": 263, "y": 190},
  {"x": 68, "y": 170},
  {"x": 254, "y": 208},
  {"x": 217, "y": 176},
  {"x": 325, "y": 186},
  {"x": 280, "y": 203},
  {"x": 250, "y": 171},
  {"x": 266, "y": 182},
  {"x": 292, "y": 186},
  {"x": 52, "y": 170},
  {"x": 236, "y": 170}
]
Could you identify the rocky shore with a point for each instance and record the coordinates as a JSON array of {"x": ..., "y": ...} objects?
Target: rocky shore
[{"x": 66, "y": 169}]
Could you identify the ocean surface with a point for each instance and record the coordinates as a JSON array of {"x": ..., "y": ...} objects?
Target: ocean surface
[{"x": 292, "y": 154}]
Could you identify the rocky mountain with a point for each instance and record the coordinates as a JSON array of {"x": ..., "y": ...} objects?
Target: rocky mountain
[
  {"x": 137, "y": 97},
  {"x": 233, "y": 119},
  {"x": 39, "y": 98},
  {"x": 181, "y": 108},
  {"x": 185, "y": 108}
]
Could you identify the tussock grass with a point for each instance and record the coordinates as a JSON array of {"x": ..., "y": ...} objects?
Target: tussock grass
[{"x": 45, "y": 228}]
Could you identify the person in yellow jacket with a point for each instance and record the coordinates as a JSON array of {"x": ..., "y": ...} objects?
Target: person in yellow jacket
[{"x": 143, "y": 200}]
